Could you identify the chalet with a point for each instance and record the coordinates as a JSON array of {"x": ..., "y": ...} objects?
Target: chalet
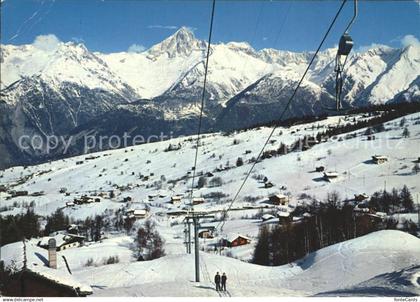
[
  {"x": 38, "y": 276},
  {"x": 381, "y": 215},
  {"x": 152, "y": 196},
  {"x": 206, "y": 234},
  {"x": 39, "y": 193},
  {"x": 307, "y": 215},
  {"x": 127, "y": 199},
  {"x": 379, "y": 159},
  {"x": 267, "y": 217},
  {"x": 20, "y": 193},
  {"x": 129, "y": 213},
  {"x": 84, "y": 199},
  {"x": 236, "y": 240},
  {"x": 209, "y": 174},
  {"x": 360, "y": 197},
  {"x": 31, "y": 283},
  {"x": 176, "y": 199},
  {"x": 362, "y": 208},
  {"x": 278, "y": 199},
  {"x": 320, "y": 169},
  {"x": 63, "y": 240},
  {"x": 197, "y": 200},
  {"x": 70, "y": 204},
  {"x": 140, "y": 213},
  {"x": 73, "y": 229},
  {"x": 328, "y": 175},
  {"x": 284, "y": 217},
  {"x": 268, "y": 184}
]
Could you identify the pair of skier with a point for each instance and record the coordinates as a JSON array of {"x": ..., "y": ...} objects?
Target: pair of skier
[{"x": 220, "y": 282}]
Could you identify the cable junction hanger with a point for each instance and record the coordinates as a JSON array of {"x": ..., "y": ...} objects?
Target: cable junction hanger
[{"x": 344, "y": 47}]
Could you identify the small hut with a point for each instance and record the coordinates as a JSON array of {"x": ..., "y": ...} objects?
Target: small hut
[
  {"x": 268, "y": 185},
  {"x": 284, "y": 217},
  {"x": 329, "y": 175},
  {"x": 207, "y": 234},
  {"x": 176, "y": 199},
  {"x": 236, "y": 240},
  {"x": 278, "y": 199},
  {"x": 379, "y": 159},
  {"x": 197, "y": 200},
  {"x": 360, "y": 197}
]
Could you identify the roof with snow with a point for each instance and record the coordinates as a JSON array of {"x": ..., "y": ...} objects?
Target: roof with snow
[
  {"x": 267, "y": 216},
  {"x": 140, "y": 212},
  {"x": 279, "y": 195},
  {"x": 12, "y": 255},
  {"x": 330, "y": 174},
  {"x": 379, "y": 157},
  {"x": 233, "y": 237},
  {"x": 283, "y": 214},
  {"x": 60, "y": 239}
]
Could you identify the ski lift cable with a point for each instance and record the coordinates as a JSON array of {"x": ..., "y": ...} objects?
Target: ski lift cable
[
  {"x": 344, "y": 48},
  {"x": 202, "y": 99},
  {"x": 355, "y": 13},
  {"x": 222, "y": 222}
]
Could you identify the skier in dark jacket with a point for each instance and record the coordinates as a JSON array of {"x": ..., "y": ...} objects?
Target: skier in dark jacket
[
  {"x": 224, "y": 278},
  {"x": 217, "y": 281}
]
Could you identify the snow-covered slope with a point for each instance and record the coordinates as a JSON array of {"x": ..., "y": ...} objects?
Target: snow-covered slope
[
  {"x": 177, "y": 62},
  {"x": 65, "y": 81},
  {"x": 404, "y": 282},
  {"x": 37, "y": 262},
  {"x": 345, "y": 268},
  {"x": 67, "y": 63},
  {"x": 349, "y": 156},
  {"x": 341, "y": 268},
  {"x": 152, "y": 72}
]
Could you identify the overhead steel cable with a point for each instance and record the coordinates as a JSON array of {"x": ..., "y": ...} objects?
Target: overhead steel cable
[
  {"x": 202, "y": 99},
  {"x": 222, "y": 222}
]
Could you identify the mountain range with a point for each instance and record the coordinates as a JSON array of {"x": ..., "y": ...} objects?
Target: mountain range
[{"x": 69, "y": 91}]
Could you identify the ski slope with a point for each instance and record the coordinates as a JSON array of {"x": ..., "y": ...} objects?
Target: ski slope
[{"x": 341, "y": 269}]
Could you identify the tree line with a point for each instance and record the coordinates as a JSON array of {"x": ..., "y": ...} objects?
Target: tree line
[{"x": 328, "y": 223}]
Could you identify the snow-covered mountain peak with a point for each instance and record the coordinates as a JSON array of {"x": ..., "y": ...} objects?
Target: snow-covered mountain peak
[
  {"x": 240, "y": 46},
  {"x": 181, "y": 43}
]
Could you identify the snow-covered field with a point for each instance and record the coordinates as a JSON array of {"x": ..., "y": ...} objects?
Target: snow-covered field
[
  {"x": 357, "y": 263},
  {"x": 351, "y": 158}
]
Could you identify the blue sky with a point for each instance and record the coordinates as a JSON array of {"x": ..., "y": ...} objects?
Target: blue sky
[{"x": 115, "y": 25}]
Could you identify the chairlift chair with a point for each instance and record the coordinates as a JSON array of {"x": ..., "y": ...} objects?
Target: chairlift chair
[{"x": 344, "y": 48}]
